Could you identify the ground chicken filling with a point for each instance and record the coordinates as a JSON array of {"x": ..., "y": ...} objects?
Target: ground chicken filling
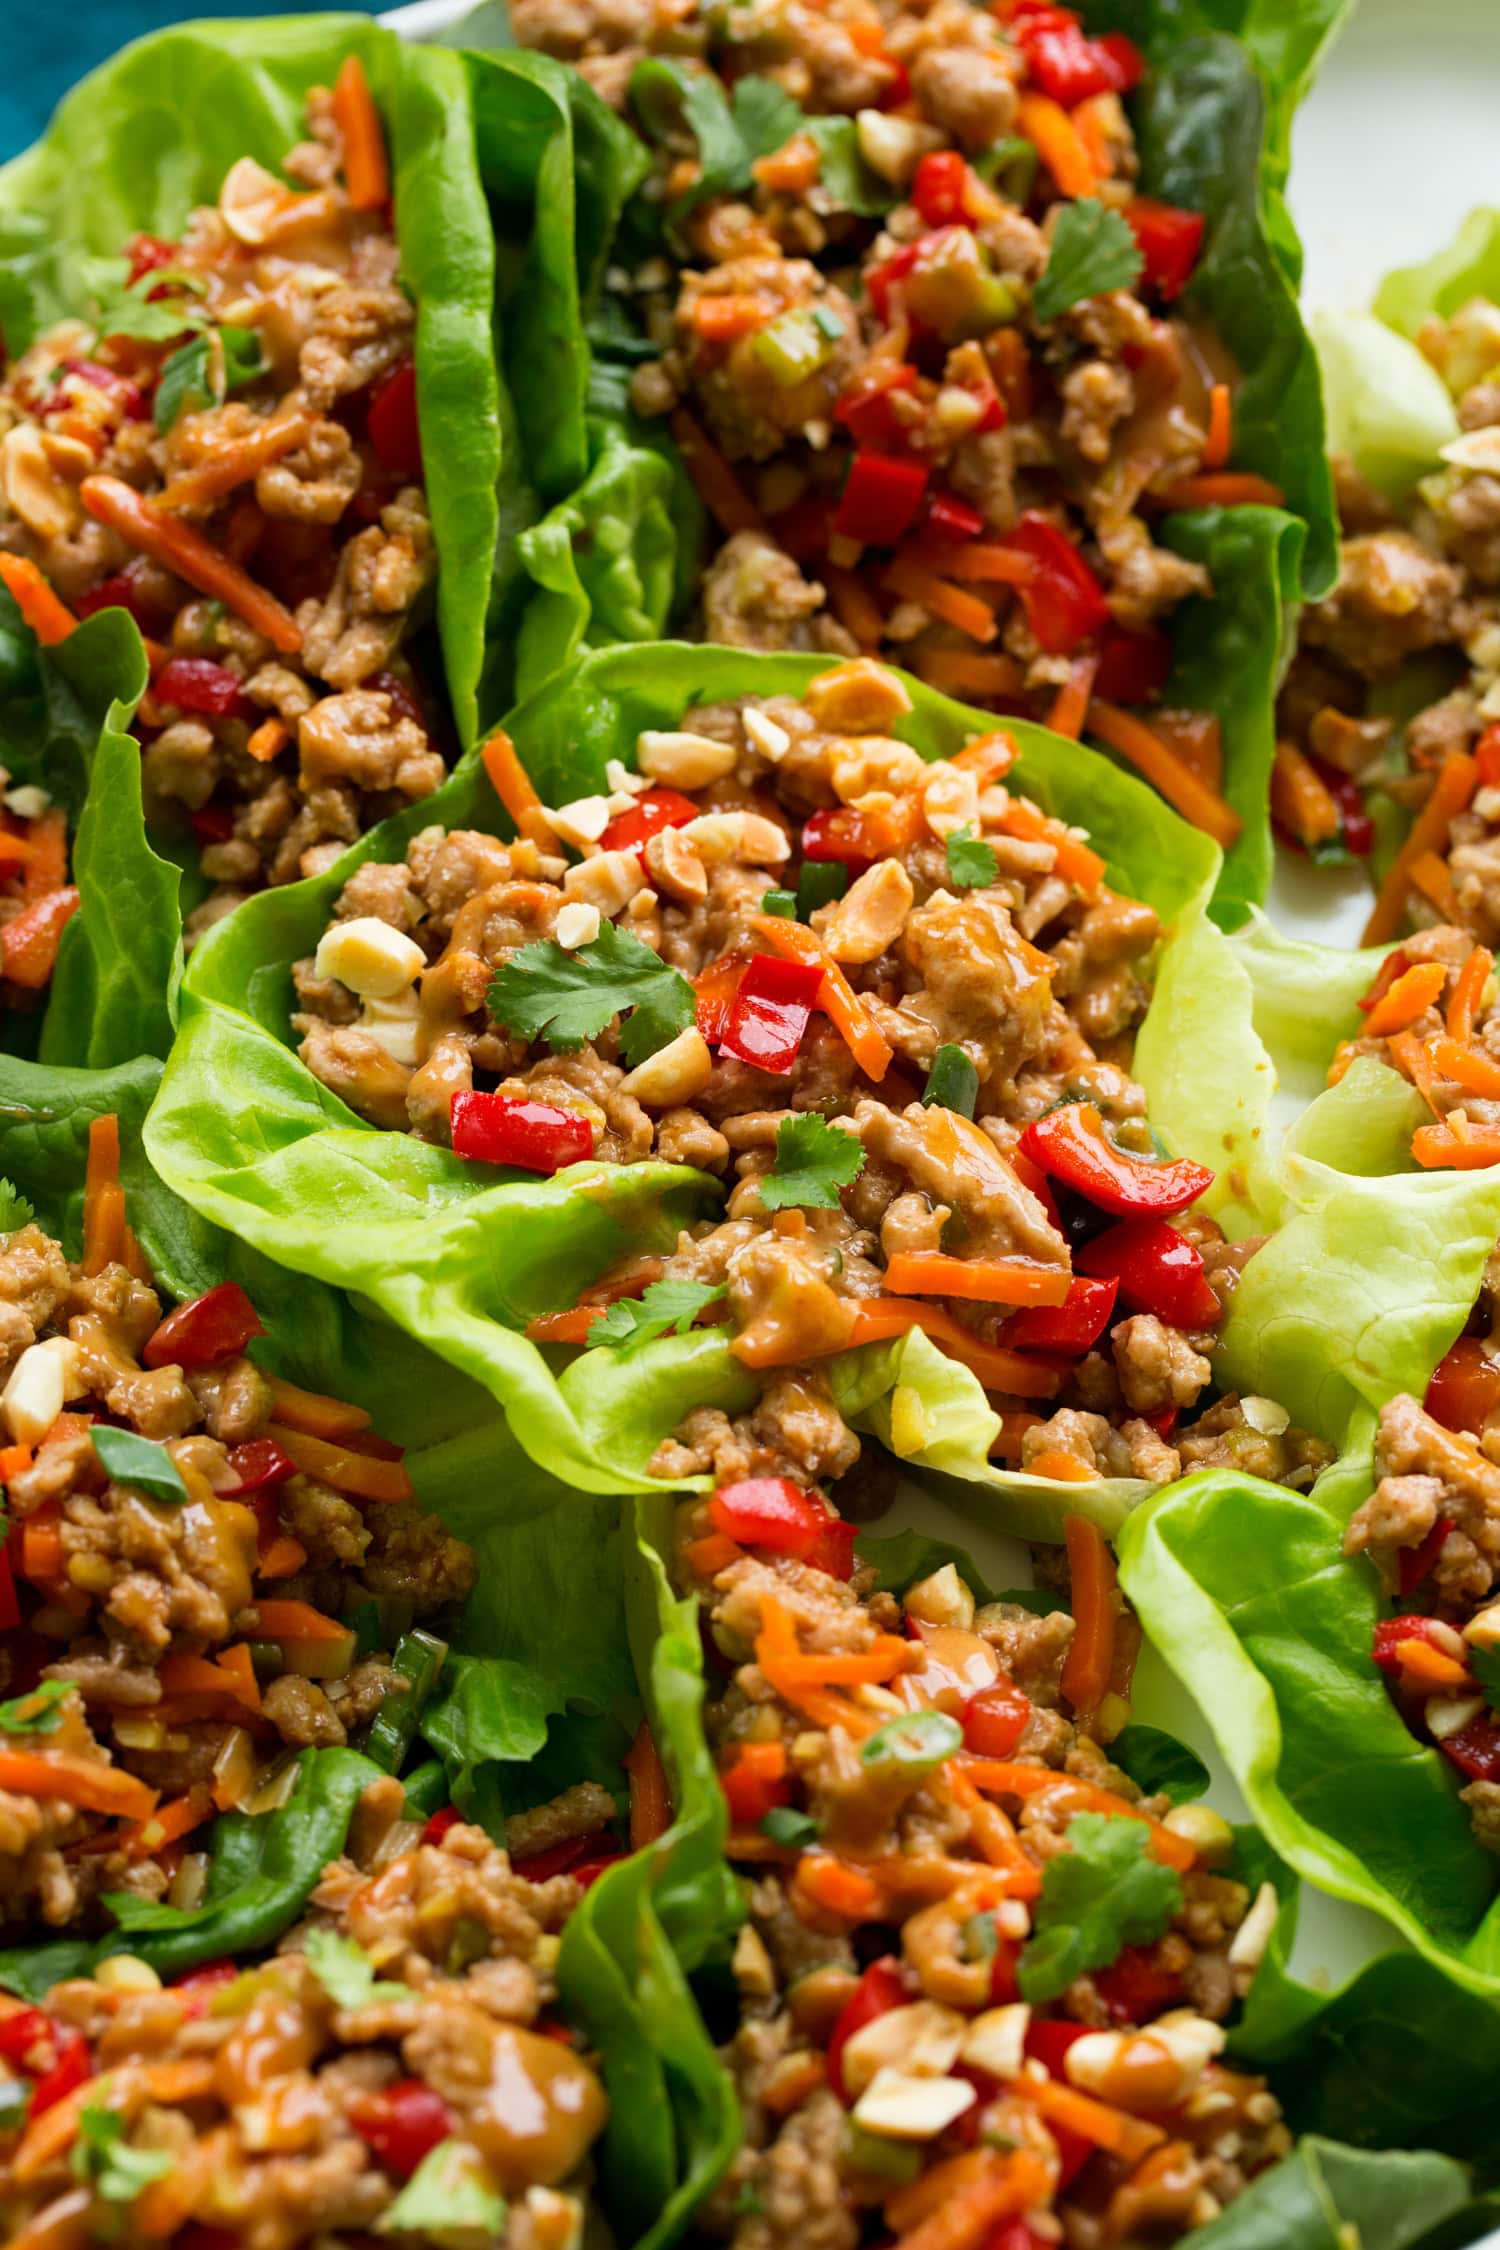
[
  {"x": 889, "y": 1003},
  {"x": 949, "y": 430},
  {"x": 248, "y": 484},
  {"x": 398, "y": 2066},
  {"x": 207, "y": 1570},
  {"x": 1414, "y": 619},
  {"x": 929, "y": 2047}
]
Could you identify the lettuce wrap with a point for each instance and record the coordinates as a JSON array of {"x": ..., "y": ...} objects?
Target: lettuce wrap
[{"x": 466, "y": 1258}]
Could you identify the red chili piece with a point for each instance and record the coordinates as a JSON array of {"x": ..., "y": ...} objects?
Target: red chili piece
[
  {"x": 73, "y": 2065},
  {"x": 1071, "y": 1145},
  {"x": 199, "y": 685},
  {"x": 1017, "y": 2234},
  {"x": 1413, "y": 1564},
  {"x": 1392, "y": 1631},
  {"x": 768, "y": 1014},
  {"x": 1063, "y": 600},
  {"x": 395, "y": 437},
  {"x": 1063, "y": 62},
  {"x": 1135, "y": 1987},
  {"x": 773, "y": 1513},
  {"x": 867, "y": 413},
  {"x": 1169, "y": 240},
  {"x": 128, "y": 396},
  {"x": 1475, "y": 1749},
  {"x": 205, "y": 1330},
  {"x": 750, "y": 1795},
  {"x": 123, "y": 591},
  {"x": 213, "y": 824},
  {"x": 1048, "y": 2042},
  {"x": 1465, "y": 1387},
  {"x": 439, "y": 1824},
  {"x": 533, "y": 1136},
  {"x": 653, "y": 810},
  {"x": 1158, "y": 1270},
  {"x": 148, "y": 253},
  {"x": 1071, "y": 1327},
  {"x": 260, "y": 1463},
  {"x": 402, "y": 2123},
  {"x": 939, "y": 189},
  {"x": 839, "y": 833},
  {"x": 200, "y": 1985},
  {"x": 1133, "y": 667},
  {"x": 995, "y": 1719},
  {"x": 880, "y": 500},
  {"x": 880, "y": 1989},
  {"x": 955, "y": 519},
  {"x": 563, "y": 1858},
  {"x": 714, "y": 989}
]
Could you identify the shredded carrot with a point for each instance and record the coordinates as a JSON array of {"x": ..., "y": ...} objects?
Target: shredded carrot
[
  {"x": 281, "y": 1556},
  {"x": 46, "y": 2138},
  {"x": 15, "y": 852},
  {"x": 103, "y": 1201},
  {"x": 791, "y": 169},
  {"x": 268, "y": 740},
  {"x": 47, "y": 855},
  {"x": 228, "y": 466},
  {"x": 1469, "y": 1150},
  {"x": 1091, "y": 1652},
  {"x": 933, "y": 2186},
  {"x": 296, "y": 1621},
  {"x": 30, "y": 940},
  {"x": 826, "y": 1885},
  {"x": 312, "y": 1411},
  {"x": 714, "y": 1552},
  {"x": 885, "y": 1659},
  {"x": 238, "y": 1663},
  {"x": 1094, "y": 120},
  {"x": 791, "y": 2085},
  {"x": 877, "y": 1320},
  {"x": 1228, "y": 488},
  {"x": 1301, "y": 799},
  {"x": 1012, "y": 2184},
  {"x": 854, "y": 606},
  {"x": 723, "y": 320},
  {"x": 995, "y": 1836},
  {"x": 836, "y": 996},
  {"x": 49, "y": 618},
  {"x": 361, "y": 1475},
  {"x": 198, "y": 1675},
  {"x": 982, "y": 562},
  {"x": 1429, "y": 875},
  {"x": 1468, "y": 993},
  {"x": 1196, "y": 738},
  {"x": 571, "y": 1327},
  {"x": 1416, "y": 1062},
  {"x": 992, "y": 1281},
  {"x": 717, "y": 485},
  {"x": 1062, "y": 1468},
  {"x": 87, "y": 1782},
  {"x": 1049, "y": 127},
  {"x": 1076, "y": 862},
  {"x": 176, "y": 546},
  {"x": 989, "y": 757},
  {"x": 781, "y": 1660},
  {"x": 1412, "y": 994},
  {"x": 1146, "y": 751},
  {"x": 1431, "y": 1666},
  {"x": 650, "y": 1805},
  {"x": 1477, "y": 1073},
  {"x": 15, "y": 1460},
  {"x": 971, "y": 674},
  {"x": 1005, "y": 1777},
  {"x": 168, "y": 1823},
  {"x": 1220, "y": 436},
  {"x": 516, "y": 790},
  {"x": 1451, "y": 791},
  {"x": 42, "y": 1557},
  {"x": 1129, "y": 2138},
  {"x": 367, "y": 175},
  {"x": 1070, "y": 706},
  {"x": 1013, "y": 1428},
  {"x": 965, "y": 612}
]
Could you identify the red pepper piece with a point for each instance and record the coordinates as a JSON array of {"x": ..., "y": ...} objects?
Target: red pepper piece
[
  {"x": 880, "y": 1989},
  {"x": 30, "y": 2032},
  {"x": 1169, "y": 240},
  {"x": 1071, "y": 1145},
  {"x": 1133, "y": 667},
  {"x": 1465, "y": 1387},
  {"x": 201, "y": 1984},
  {"x": 802, "y": 530},
  {"x": 1158, "y": 1270},
  {"x": 653, "y": 810},
  {"x": 10, "y": 1600},
  {"x": 1018, "y": 2234},
  {"x": 1413, "y": 1564},
  {"x": 770, "y": 1512},
  {"x": 130, "y": 399},
  {"x": 563, "y": 1858},
  {"x": 996, "y": 1718},
  {"x": 199, "y": 685},
  {"x": 879, "y": 279},
  {"x": 1475, "y": 1749},
  {"x": 1135, "y": 1988},
  {"x": 955, "y": 519},
  {"x": 74, "y": 2064},
  {"x": 533, "y": 1136},
  {"x": 260, "y": 1463},
  {"x": 148, "y": 253},
  {"x": 439, "y": 1824},
  {"x": 395, "y": 437},
  {"x": 1063, "y": 600},
  {"x": 769, "y": 1013},
  {"x": 880, "y": 500},
  {"x": 1487, "y": 755},
  {"x": 1071, "y": 1327},
  {"x": 205, "y": 1330},
  {"x": 715, "y": 988},
  {"x": 866, "y": 412},
  {"x": 834, "y": 1552},
  {"x": 751, "y": 1795},
  {"x": 213, "y": 824},
  {"x": 1392, "y": 1631},
  {"x": 1005, "y": 1985},
  {"x": 1063, "y": 62},
  {"x": 123, "y": 591},
  {"x": 402, "y": 2123},
  {"x": 940, "y": 188}
]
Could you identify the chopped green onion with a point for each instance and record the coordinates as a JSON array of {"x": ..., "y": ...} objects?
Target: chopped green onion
[
  {"x": 820, "y": 882},
  {"x": 791, "y": 348},
  {"x": 419, "y": 1659},
  {"x": 426, "y": 1790},
  {"x": 783, "y": 904},
  {"x": 1009, "y": 165},
  {"x": 952, "y": 1082},
  {"x": 918, "y": 1742},
  {"x": 785, "y": 1825},
  {"x": 827, "y": 322},
  {"x": 900, "y": 2162}
]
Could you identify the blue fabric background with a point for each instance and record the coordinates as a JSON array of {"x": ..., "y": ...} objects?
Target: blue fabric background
[{"x": 50, "y": 44}]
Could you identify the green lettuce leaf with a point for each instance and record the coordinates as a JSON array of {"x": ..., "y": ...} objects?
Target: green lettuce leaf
[
  {"x": 1388, "y": 408},
  {"x": 1442, "y": 285},
  {"x": 1324, "y": 2197}
]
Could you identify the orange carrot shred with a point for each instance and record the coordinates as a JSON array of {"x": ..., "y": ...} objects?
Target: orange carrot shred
[
  {"x": 718, "y": 487},
  {"x": 366, "y": 172},
  {"x": 1216, "y": 444},
  {"x": 650, "y": 1804},
  {"x": 1412, "y": 994},
  {"x": 515, "y": 789},
  {"x": 1091, "y": 1652},
  {"x": 1048, "y": 126},
  {"x": 1146, "y": 751},
  {"x": 177, "y": 547},
  {"x": 1468, "y": 992},
  {"x": 1451, "y": 791},
  {"x": 1228, "y": 488},
  {"x": 49, "y": 618}
]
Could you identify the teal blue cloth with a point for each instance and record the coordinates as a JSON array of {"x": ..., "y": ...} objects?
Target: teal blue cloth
[{"x": 51, "y": 44}]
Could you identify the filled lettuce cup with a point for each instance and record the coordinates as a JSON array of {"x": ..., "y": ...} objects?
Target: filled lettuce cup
[
  {"x": 820, "y": 943},
  {"x": 977, "y": 333}
]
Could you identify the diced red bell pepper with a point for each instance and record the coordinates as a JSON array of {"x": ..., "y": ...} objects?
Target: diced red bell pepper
[
  {"x": 1070, "y": 1144},
  {"x": 533, "y": 1136},
  {"x": 29, "y": 942},
  {"x": 148, "y": 253},
  {"x": 1465, "y": 1387},
  {"x": 1047, "y": 2042},
  {"x": 954, "y": 519},
  {"x": 30, "y": 2032},
  {"x": 880, "y": 1989},
  {"x": 1073, "y": 1327},
  {"x": 1475, "y": 1749},
  {"x": 128, "y": 397},
  {"x": 750, "y": 1792},
  {"x": 124, "y": 590},
  {"x": 769, "y": 1013},
  {"x": 834, "y": 1552},
  {"x": 1414, "y": 1564},
  {"x": 403, "y": 698},
  {"x": 773, "y": 1513},
  {"x": 1158, "y": 1270},
  {"x": 199, "y": 1985},
  {"x": 1169, "y": 240},
  {"x": 940, "y": 189},
  {"x": 205, "y": 1330},
  {"x": 653, "y": 810},
  {"x": 1135, "y": 1987},
  {"x": 395, "y": 437},
  {"x": 1487, "y": 755},
  {"x": 1063, "y": 600},
  {"x": 213, "y": 824},
  {"x": 1392, "y": 1631},
  {"x": 1005, "y": 1984},
  {"x": 1064, "y": 63},
  {"x": 995, "y": 1719},
  {"x": 198, "y": 2236},
  {"x": 259, "y": 1464},
  {"x": 199, "y": 685},
  {"x": 803, "y": 530},
  {"x": 402, "y": 2123},
  {"x": 74, "y": 2064},
  {"x": 563, "y": 1858},
  {"x": 880, "y": 502},
  {"x": 866, "y": 412},
  {"x": 714, "y": 989},
  {"x": 1016, "y": 2234},
  {"x": 1133, "y": 667},
  {"x": 10, "y": 1600},
  {"x": 439, "y": 1823},
  {"x": 879, "y": 279},
  {"x": 1164, "y": 1421}
]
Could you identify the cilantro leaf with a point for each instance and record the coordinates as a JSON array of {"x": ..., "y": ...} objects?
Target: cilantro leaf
[
  {"x": 139, "y": 1462},
  {"x": 37, "y": 1711},
  {"x": 813, "y": 1161},
  {"x": 346, "y": 1972},
  {"x": 107, "y": 2161},
  {"x": 765, "y": 115},
  {"x": 448, "y": 2192},
  {"x": 118, "y": 306},
  {"x": 15, "y": 1211},
  {"x": 972, "y": 864},
  {"x": 666, "y": 1307},
  {"x": 843, "y": 174},
  {"x": 1093, "y": 251},
  {"x": 565, "y": 998},
  {"x": 203, "y": 371},
  {"x": 1159, "y": 1764},
  {"x": 1103, "y": 1893},
  {"x": 1484, "y": 1663},
  {"x": 785, "y": 1825}
]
